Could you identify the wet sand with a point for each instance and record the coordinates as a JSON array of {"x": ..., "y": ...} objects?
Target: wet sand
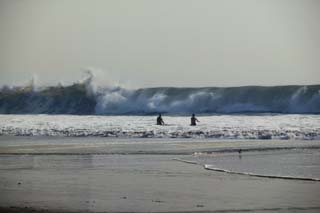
[
  {"x": 134, "y": 182},
  {"x": 41, "y": 145}
]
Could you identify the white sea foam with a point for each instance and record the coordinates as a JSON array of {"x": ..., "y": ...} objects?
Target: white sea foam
[
  {"x": 213, "y": 168},
  {"x": 90, "y": 96},
  {"x": 305, "y": 127}
]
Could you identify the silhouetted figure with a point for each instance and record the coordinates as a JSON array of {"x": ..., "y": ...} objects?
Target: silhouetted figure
[
  {"x": 159, "y": 120},
  {"x": 194, "y": 120},
  {"x": 240, "y": 151}
]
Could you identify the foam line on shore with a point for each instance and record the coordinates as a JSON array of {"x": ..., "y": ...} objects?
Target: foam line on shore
[
  {"x": 186, "y": 161},
  {"x": 210, "y": 167}
]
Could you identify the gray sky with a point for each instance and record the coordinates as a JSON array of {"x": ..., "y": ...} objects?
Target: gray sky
[{"x": 147, "y": 43}]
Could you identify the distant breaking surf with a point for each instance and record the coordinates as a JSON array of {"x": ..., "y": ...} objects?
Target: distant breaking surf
[{"x": 85, "y": 99}]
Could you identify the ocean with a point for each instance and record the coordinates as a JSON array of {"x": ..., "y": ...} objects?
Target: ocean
[
  {"x": 84, "y": 148},
  {"x": 257, "y": 126}
]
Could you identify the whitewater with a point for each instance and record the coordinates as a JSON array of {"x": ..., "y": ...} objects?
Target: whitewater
[
  {"x": 87, "y": 97},
  {"x": 101, "y": 144},
  {"x": 261, "y": 126}
]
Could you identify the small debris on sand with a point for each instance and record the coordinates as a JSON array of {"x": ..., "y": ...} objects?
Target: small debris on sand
[{"x": 157, "y": 201}]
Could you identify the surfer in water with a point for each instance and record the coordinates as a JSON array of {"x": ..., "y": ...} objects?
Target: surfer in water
[
  {"x": 159, "y": 120},
  {"x": 194, "y": 120}
]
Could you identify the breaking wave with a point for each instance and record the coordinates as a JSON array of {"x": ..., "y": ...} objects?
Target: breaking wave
[{"x": 84, "y": 98}]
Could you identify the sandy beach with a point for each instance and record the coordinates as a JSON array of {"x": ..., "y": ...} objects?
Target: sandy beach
[
  {"x": 77, "y": 177},
  {"x": 159, "y": 106}
]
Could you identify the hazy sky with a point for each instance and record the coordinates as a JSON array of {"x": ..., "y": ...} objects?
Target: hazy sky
[{"x": 147, "y": 43}]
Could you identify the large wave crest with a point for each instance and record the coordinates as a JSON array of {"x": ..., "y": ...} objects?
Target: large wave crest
[{"x": 86, "y": 98}]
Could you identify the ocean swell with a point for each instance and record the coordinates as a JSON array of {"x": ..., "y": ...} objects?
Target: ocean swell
[{"x": 83, "y": 98}]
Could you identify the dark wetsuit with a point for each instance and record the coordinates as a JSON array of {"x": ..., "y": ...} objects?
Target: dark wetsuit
[
  {"x": 194, "y": 121},
  {"x": 159, "y": 120}
]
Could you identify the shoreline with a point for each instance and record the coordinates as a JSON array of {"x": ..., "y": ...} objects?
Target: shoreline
[
  {"x": 76, "y": 178},
  {"x": 13, "y": 209},
  {"x": 128, "y": 183},
  {"x": 40, "y": 145}
]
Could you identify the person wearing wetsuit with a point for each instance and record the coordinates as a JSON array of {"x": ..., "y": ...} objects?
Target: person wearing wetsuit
[
  {"x": 194, "y": 120},
  {"x": 159, "y": 120}
]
